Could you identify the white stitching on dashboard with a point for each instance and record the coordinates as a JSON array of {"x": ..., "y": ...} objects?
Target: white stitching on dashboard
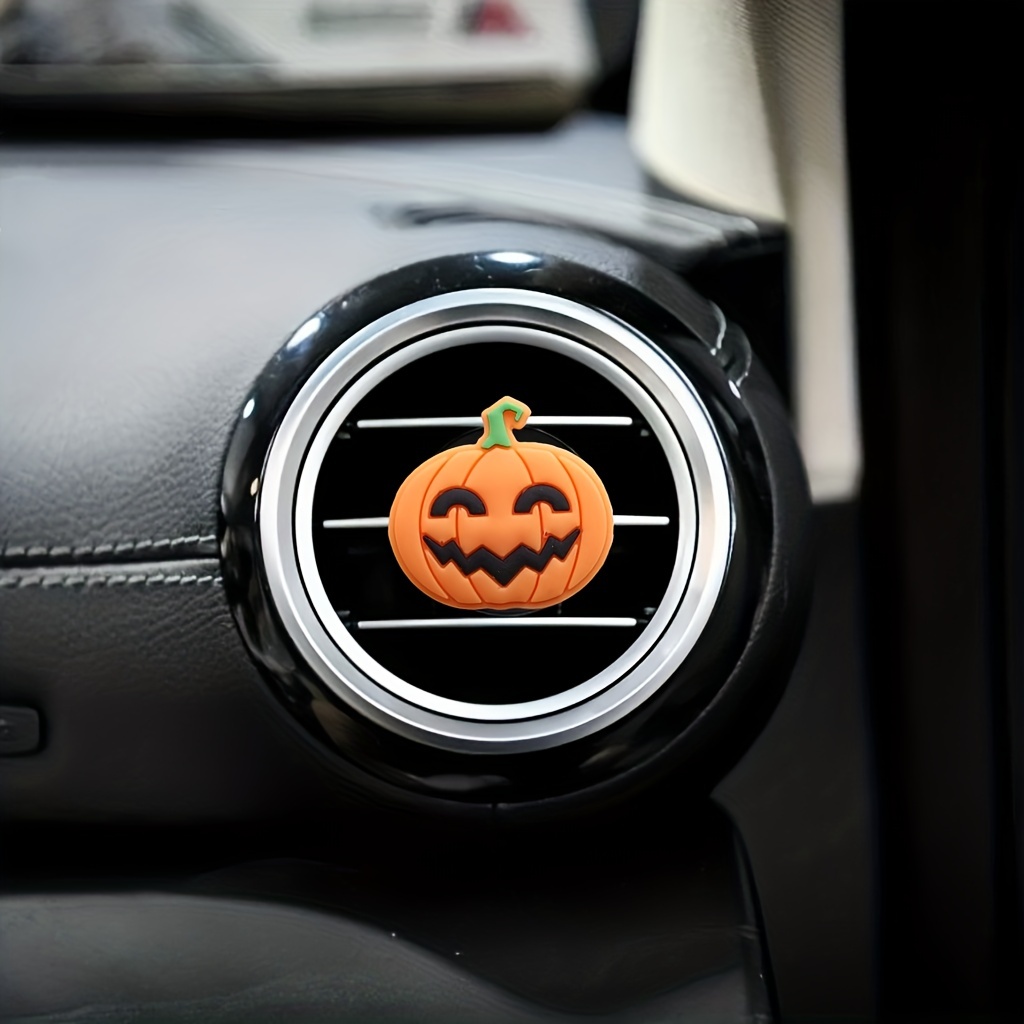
[
  {"x": 105, "y": 548},
  {"x": 22, "y": 580}
]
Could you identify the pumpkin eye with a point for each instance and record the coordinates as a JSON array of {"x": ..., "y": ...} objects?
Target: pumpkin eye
[
  {"x": 541, "y": 493},
  {"x": 453, "y": 496}
]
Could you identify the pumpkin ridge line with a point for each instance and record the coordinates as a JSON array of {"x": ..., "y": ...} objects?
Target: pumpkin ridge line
[
  {"x": 540, "y": 513},
  {"x": 579, "y": 513},
  {"x": 589, "y": 471},
  {"x": 426, "y": 498},
  {"x": 465, "y": 480}
]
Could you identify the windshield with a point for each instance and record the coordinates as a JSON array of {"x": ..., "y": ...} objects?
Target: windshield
[{"x": 355, "y": 63}]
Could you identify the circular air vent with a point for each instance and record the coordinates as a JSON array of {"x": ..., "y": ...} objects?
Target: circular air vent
[
  {"x": 403, "y": 389},
  {"x": 514, "y": 528}
]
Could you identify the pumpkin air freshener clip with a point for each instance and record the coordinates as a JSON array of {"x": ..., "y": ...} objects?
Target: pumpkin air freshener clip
[{"x": 501, "y": 523}]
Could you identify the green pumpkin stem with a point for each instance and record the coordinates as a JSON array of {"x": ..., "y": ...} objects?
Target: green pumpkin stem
[{"x": 496, "y": 430}]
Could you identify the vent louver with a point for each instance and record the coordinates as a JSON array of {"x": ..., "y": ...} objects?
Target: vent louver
[{"x": 371, "y": 455}]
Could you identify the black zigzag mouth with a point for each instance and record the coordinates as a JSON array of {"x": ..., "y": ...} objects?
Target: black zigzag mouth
[{"x": 503, "y": 570}]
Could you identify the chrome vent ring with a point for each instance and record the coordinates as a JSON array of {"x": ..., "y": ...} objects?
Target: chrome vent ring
[{"x": 295, "y": 518}]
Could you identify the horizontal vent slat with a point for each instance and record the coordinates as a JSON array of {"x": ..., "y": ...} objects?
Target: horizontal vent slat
[
  {"x": 485, "y": 621},
  {"x": 377, "y": 522},
  {"x": 356, "y": 524},
  {"x": 474, "y": 421}
]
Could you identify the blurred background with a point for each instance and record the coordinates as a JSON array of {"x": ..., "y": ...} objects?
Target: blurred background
[{"x": 371, "y": 63}]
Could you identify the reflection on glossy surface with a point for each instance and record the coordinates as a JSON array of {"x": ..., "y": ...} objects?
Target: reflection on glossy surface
[
  {"x": 306, "y": 331},
  {"x": 521, "y": 259}
]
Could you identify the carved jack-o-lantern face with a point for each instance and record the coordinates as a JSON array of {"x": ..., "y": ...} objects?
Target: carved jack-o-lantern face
[{"x": 501, "y": 523}]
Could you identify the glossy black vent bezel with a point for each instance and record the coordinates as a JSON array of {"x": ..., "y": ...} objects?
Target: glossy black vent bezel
[{"x": 713, "y": 706}]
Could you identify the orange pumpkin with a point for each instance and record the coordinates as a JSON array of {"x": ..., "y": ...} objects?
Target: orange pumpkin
[{"x": 501, "y": 523}]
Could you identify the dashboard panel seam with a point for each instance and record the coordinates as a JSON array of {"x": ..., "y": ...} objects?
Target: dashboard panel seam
[
  {"x": 72, "y": 581},
  {"x": 200, "y": 543}
]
